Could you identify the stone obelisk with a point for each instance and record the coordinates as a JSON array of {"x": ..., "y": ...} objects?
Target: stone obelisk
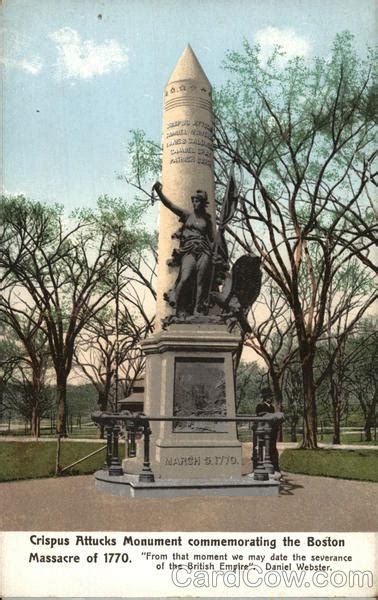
[
  {"x": 189, "y": 366},
  {"x": 188, "y": 163}
]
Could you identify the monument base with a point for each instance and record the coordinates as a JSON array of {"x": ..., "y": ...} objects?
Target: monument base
[
  {"x": 190, "y": 459},
  {"x": 130, "y": 487},
  {"x": 189, "y": 374}
]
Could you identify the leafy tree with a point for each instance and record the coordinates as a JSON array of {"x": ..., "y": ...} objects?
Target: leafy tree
[
  {"x": 293, "y": 397},
  {"x": 363, "y": 378},
  {"x": 65, "y": 268},
  {"x": 111, "y": 361},
  {"x": 303, "y": 138},
  {"x": 108, "y": 350},
  {"x": 249, "y": 380},
  {"x": 23, "y": 325},
  {"x": 145, "y": 166},
  {"x": 302, "y": 134},
  {"x": 273, "y": 337},
  {"x": 20, "y": 398},
  {"x": 9, "y": 359},
  {"x": 346, "y": 305}
]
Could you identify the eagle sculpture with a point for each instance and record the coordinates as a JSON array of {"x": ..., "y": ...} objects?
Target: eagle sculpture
[{"x": 240, "y": 290}]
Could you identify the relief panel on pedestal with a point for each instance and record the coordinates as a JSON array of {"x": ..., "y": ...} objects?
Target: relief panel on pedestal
[{"x": 199, "y": 391}]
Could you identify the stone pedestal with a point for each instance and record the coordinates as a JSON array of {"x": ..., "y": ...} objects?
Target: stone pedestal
[{"x": 189, "y": 373}]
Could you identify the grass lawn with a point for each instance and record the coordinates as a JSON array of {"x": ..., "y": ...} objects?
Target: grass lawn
[
  {"x": 30, "y": 460},
  {"x": 16, "y": 430},
  {"x": 346, "y": 438},
  {"x": 344, "y": 464}
]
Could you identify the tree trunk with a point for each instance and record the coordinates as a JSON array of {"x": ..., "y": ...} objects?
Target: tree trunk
[
  {"x": 61, "y": 406},
  {"x": 370, "y": 419},
  {"x": 102, "y": 402},
  {"x": 2, "y": 385},
  {"x": 336, "y": 424},
  {"x": 35, "y": 422},
  {"x": 309, "y": 403},
  {"x": 277, "y": 393},
  {"x": 293, "y": 429},
  {"x": 36, "y": 392},
  {"x": 336, "y": 413},
  {"x": 58, "y": 467}
]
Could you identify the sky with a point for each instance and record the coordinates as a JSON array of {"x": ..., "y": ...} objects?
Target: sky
[{"x": 78, "y": 75}]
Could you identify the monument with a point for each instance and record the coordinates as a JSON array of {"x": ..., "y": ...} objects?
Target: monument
[
  {"x": 189, "y": 368},
  {"x": 189, "y": 375}
]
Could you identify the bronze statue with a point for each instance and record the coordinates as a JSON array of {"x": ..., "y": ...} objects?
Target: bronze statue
[
  {"x": 193, "y": 257},
  {"x": 240, "y": 290}
]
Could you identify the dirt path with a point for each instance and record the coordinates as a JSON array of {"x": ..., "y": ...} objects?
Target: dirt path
[{"x": 305, "y": 504}]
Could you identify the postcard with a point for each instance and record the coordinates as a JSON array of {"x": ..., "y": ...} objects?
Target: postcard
[{"x": 187, "y": 314}]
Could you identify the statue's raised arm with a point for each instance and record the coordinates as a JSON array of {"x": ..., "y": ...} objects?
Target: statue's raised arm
[{"x": 158, "y": 188}]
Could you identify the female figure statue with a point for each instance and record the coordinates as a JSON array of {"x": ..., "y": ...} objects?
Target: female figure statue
[{"x": 193, "y": 257}]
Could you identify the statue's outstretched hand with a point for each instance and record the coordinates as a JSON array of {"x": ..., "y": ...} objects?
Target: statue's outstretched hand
[{"x": 157, "y": 187}]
